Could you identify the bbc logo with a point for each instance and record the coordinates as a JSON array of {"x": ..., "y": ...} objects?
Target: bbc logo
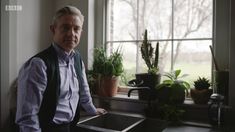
[{"x": 13, "y": 7}]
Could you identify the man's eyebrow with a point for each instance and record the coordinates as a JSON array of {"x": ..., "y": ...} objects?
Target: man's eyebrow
[{"x": 65, "y": 24}]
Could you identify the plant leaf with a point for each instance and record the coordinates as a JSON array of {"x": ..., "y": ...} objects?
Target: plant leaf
[{"x": 177, "y": 73}]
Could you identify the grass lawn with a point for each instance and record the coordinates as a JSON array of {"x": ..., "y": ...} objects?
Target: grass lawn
[{"x": 194, "y": 70}]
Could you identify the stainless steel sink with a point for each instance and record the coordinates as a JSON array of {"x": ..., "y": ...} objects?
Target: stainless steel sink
[
  {"x": 118, "y": 122},
  {"x": 110, "y": 122},
  {"x": 149, "y": 125}
]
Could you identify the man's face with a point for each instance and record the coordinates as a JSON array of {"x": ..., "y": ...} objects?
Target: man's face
[{"x": 67, "y": 32}]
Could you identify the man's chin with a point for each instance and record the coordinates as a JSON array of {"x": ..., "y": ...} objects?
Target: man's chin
[{"x": 70, "y": 44}]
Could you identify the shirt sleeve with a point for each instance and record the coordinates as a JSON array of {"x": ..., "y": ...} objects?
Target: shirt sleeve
[
  {"x": 85, "y": 99},
  {"x": 32, "y": 81}
]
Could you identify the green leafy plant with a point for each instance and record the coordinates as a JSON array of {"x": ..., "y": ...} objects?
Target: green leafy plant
[
  {"x": 177, "y": 87},
  {"x": 202, "y": 83},
  {"x": 150, "y": 57},
  {"x": 104, "y": 76},
  {"x": 174, "y": 80},
  {"x": 107, "y": 65}
]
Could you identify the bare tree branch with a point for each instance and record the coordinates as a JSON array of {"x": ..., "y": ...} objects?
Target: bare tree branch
[{"x": 202, "y": 17}]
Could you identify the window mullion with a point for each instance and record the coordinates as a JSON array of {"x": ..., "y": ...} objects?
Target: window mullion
[
  {"x": 172, "y": 35},
  {"x": 137, "y": 36}
]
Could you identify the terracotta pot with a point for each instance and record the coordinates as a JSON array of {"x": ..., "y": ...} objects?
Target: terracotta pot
[
  {"x": 107, "y": 86},
  {"x": 201, "y": 96}
]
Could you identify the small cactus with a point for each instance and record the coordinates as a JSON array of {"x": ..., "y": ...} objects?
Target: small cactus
[
  {"x": 150, "y": 57},
  {"x": 202, "y": 83}
]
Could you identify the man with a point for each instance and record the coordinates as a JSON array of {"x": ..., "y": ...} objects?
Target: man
[{"x": 52, "y": 84}]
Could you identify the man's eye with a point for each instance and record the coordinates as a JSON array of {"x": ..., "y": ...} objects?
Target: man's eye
[
  {"x": 77, "y": 29},
  {"x": 65, "y": 28}
]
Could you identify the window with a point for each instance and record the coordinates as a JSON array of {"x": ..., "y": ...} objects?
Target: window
[{"x": 183, "y": 28}]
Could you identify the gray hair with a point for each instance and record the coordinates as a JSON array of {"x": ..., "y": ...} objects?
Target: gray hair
[{"x": 67, "y": 10}]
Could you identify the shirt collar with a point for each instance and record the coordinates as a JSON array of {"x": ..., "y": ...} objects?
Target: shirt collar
[{"x": 63, "y": 54}]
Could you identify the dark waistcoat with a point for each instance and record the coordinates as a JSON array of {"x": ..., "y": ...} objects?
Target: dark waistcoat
[{"x": 51, "y": 94}]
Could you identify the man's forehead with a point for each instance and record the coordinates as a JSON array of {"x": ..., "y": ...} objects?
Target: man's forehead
[{"x": 70, "y": 19}]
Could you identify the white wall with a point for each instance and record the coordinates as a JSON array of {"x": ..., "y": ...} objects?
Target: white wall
[
  {"x": 225, "y": 44},
  {"x": 100, "y": 23},
  {"x": 221, "y": 34},
  {"x": 23, "y": 34},
  {"x": 4, "y": 62},
  {"x": 33, "y": 32},
  {"x": 232, "y": 59}
]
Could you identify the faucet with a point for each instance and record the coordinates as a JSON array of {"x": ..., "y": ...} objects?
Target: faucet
[
  {"x": 150, "y": 110},
  {"x": 142, "y": 88},
  {"x": 137, "y": 88}
]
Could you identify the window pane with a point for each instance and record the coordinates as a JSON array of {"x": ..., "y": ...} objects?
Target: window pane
[
  {"x": 193, "y": 58},
  {"x": 121, "y": 20},
  {"x": 130, "y": 63},
  {"x": 165, "y": 56},
  {"x": 164, "y": 62},
  {"x": 129, "y": 58},
  {"x": 186, "y": 19},
  {"x": 155, "y": 15},
  {"x": 193, "y": 19}
]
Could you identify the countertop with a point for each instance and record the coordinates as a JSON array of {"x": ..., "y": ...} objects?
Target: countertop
[{"x": 184, "y": 127}]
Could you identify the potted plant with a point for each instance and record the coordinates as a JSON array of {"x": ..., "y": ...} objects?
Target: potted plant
[
  {"x": 171, "y": 93},
  {"x": 201, "y": 92},
  {"x": 106, "y": 71},
  {"x": 150, "y": 57},
  {"x": 172, "y": 90},
  {"x": 152, "y": 77}
]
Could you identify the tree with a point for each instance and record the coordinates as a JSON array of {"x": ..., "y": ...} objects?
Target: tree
[{"x": 190, "y": 16}]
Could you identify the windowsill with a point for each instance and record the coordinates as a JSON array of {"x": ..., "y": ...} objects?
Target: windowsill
[
  {"x": 122, "y": 94},
  {"x": 121, "y": 97},
  {"x": 134, "y": 97}
]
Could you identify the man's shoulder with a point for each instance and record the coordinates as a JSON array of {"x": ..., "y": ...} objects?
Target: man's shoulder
[
  {"x": 33, "y": 63},
  {"x": 43, "y": 57},
  {"x": 50, "y": 51}
]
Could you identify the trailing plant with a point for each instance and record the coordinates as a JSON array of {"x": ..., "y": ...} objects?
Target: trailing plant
[
  {"x": 202, "y": 83},
  {"x": 107, "y": 65},
  {"x": 150, "y": 57},
  {"x": 171, "y": 113}
]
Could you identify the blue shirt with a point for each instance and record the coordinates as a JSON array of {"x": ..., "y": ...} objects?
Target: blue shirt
[{"x": 32, "y": 82}]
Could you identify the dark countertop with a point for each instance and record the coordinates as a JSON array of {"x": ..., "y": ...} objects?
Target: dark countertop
[
  {"x": 189, "y": 129},
  {"x": 197, "y": 127},
  {"x": 184, "y": 127}
]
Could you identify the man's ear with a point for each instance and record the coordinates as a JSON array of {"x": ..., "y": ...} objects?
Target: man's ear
[{"x": 52, "y": 28}]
